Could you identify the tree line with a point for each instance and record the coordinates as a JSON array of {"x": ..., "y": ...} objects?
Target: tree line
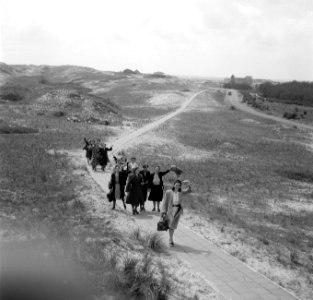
[{"x": 294, "y": 92}]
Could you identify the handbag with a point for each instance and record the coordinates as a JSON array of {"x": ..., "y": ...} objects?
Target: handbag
[
  {"x": 110, "y": 195},
  {"x": 163, "y": 224}
]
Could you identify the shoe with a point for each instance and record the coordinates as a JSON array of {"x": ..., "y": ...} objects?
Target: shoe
[
  {"x": 171, "y": 244},
  {"x": 136, "y": 212},
  {"x": 124, "y": 205},
  {"x": 113, "y": 207},
  {"x": 159, "y": 210},
  {"x": 153, "y": 209}
]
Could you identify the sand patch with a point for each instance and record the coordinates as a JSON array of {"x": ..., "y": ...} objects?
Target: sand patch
[
  {"x": 205, "y": 103},
  {"x": 250, "y": 121},
  {"x": 168, "y": 99}
]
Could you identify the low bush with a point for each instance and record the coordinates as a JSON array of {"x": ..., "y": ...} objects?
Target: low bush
[
  {"x": 302, "y": 175},
  {"x": 5, "y": 129},
  {"x": 59, "y": 114},
  {"x": 11, "y": 97}
]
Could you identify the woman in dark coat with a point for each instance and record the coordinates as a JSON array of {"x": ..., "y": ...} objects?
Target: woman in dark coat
[
  {"x": 156, "y": 186},
  {"x": 117, "y": 186},
  {"x": 88, "y": 149},
  {"x": 103, "y": 159},
  {"x": 133, "y": 189},
  {"x": 145, "y": 174}
]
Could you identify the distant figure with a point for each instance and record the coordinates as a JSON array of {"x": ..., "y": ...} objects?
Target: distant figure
[
  {"x": 95, "y": 155},
  {"x": 156, "y": 185},
  {"x": 133, "y": 189},
  {"x": 88, "y": 148},
  {"x": 133, "y": 164},
  {"x": 176, "y": 170},
  {"x": 172, "y": 207},
  {"x": 100, "y": 155},
  {"x": 117, "y": 186},
  {"x": 145, "y": 174},
  {"x": 104, "y": 157}
]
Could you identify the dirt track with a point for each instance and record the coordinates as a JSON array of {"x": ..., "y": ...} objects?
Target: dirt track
[
  {"x": 225, "y": 273},
  {"x": 235, "y": 99}
]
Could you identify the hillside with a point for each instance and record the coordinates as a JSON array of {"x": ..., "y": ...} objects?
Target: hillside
[{"x": 56, "y": 90}]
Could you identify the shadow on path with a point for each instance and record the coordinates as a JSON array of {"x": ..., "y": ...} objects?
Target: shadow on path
[{"x": 188, "y": 249}]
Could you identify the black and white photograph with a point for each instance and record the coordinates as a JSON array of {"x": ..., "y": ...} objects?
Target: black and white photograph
[{"x": 156, "y": 150}]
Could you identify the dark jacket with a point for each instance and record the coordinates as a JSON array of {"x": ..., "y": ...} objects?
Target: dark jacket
[
  {"x": 161, "y": 174},
  {"x": 122, "y": 180},
  {"x": 145, "y": 177},
  {"x": 133, "y": 188},
  {"x": 103, "y": 156}
]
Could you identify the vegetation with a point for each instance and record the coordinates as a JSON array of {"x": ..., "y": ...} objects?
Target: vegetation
[
  {"x": 5, "y": 129},
  {"x": 255, "y": 200},
  {"x": 237, "y": 86},
  {"x": 48, "y": 198},
  {"x": 252, "y": 101},
  {"x": 294, "y": 92}
]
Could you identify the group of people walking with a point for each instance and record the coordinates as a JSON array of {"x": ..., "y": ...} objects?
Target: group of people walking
[
  {"x": 96, "y": 153},
  {"x": 133, "y": 185}
]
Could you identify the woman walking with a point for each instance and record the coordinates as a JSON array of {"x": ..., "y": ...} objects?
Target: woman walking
[
  {"x": 133, "y": 189},
  {"x": 156, "y": 185},
  {"x": 172, "y": 207},
  {"x": 117, "y": 186},
  {"x": 145, "y": 174},
  {"x": 88, "y": 148}
]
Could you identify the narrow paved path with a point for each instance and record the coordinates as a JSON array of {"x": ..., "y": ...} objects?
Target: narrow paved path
[
  {"x": 225, "y": 273},
  {"x": 235, "y": 99}
]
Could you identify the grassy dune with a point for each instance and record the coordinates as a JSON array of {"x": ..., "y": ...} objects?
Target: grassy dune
[
  {"x": 51, "y": 221},
  {"x": 252, "y": 186}
]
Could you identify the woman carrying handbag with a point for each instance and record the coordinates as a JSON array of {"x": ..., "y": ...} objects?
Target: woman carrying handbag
[{"x": 172, "y": 207}]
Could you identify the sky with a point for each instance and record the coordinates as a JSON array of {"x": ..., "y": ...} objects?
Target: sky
[{"x": 270, "y": 39}]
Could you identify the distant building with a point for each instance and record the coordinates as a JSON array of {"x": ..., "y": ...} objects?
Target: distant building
[{"x": 248, "y": 80}]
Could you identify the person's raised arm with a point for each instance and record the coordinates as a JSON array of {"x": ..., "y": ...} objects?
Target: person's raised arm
[
  {"x": 164, "y": 208},
  {"x": 187, "y": 189},
  {"x": 164, "y": 173}
]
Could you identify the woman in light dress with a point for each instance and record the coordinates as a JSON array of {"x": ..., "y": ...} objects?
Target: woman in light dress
[{"x": 172, "y": 207}]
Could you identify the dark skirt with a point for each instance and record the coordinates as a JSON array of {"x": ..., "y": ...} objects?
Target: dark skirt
[
  {"x": 156, "y": 193},
  {"x": 89, "y": 153},
  {"x": 144, "y": 189},
  {"x": 135, "y": 197}
]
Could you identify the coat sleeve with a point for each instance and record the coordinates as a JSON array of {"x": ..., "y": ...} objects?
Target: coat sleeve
[
  {"x": 165, "y": 203},
  {"x": 128, "y": 183},
  {"x": 111, "y": 183},
  {"x": 163, "y": 173}
]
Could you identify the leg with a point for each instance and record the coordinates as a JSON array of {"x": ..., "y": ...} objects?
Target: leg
[
  {"x": 158, "y": 204},
  {"x": 153, "y": 209},
  {"x": 114, "y": 203},
  {"x": 171, "y": 234},
  {"x": 124, "y": 202}
]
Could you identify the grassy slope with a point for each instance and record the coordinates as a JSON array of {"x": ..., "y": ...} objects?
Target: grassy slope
[
  {"x": 48, "y": 196},
  {"x": 246, "y": 185}
]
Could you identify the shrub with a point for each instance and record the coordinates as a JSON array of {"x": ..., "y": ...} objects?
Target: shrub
[
  {"x": 290, "y": 116},
  {"x": 139, "y": 277},
  {"x": 4, "y": 129},
  {"x": 12, "y": 97},
  {"x": 155, "y": 242},
  {"x": 59, "y": 114}
]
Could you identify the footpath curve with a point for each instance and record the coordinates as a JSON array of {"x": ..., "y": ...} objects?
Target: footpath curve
[
  {"x": 235, "y": 99},
  {"x": 225, "y": 273}
]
